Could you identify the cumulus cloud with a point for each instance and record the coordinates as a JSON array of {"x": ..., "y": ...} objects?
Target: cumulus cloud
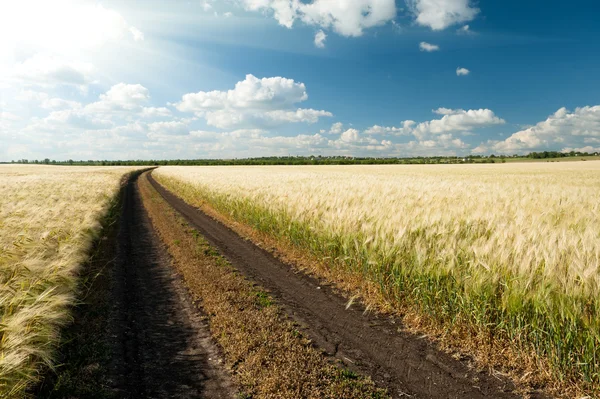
[
  {"x": 122, "y": 96},
  {"x": 350, "y": 136},
  {"x": 406, "y": 129},
  {"x": 8, "y": 116},
  {"x": 346, "y": 17},
  {"x": 52, "y": 71},
  {"x": 437, "y": 136},
  {"x": 453, "y": 120},
  {"x": 440, "y": 14},
  {"x": 424, "y": 46},
  {"x": 168, "y": 128},
  {"x": 320, "y": 37},
  {"x": 45, "y": 101},
  {"x": 73, "y": 118},
  {"x": 462, "y": 71},
  {"x": 457, "y": 120},
  {"x": 155, "y": 112},
  {"x": 299, "y": 115},
  {"x": 562, "y": 130},
  {"x": 253, "y": 101},
  {"x": 443, "y": 144},
  {"x": 336, "y": 128},
  {"x": 121, "y": 103},
  {"x": 303, "y": 143},
  {"x": 444, "y": 111},
  {"x": 464, "y": 30},
  {"x": 352, "y": 141}
]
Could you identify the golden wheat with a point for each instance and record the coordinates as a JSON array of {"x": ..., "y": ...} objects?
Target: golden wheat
[
  {"x": 49, "y": 217},
  {"x": 512, "y": 249}
]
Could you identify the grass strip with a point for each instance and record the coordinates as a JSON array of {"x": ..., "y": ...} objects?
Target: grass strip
[{"x": 268, "y": 357}]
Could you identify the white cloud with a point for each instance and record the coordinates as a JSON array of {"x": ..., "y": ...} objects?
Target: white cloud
[
  {"x": 121, "y": 97},
  {"x": 445, "y": 111},
  {"x": 587, "y": 148},
  {"x": 440, "y": 14},
  {"x": 299, "y": 115},
  {"x": 251, "y": 92},
  {"x": 346, "y": 17},
  {"x": 462, "y": 71},
  {"x": 8, "y": 116},
  {"x": 350, "y": 136},
  {"x": 438, "y": 145},
  {"x": 121, "y": 103},
  {"x": 253, "y": 101},
  {"x": 336, "y": 128},
  {"x": 406, "y": 129},
  {"x": 465, "y": 30},
  {"x": 563, "y": 129},
  {"x": 169, "y": 128},
  {"x": 137, "y": 34},
  {"x": 320, "y": 38},
  {"x": 424, "y": 46},
  {"x": 303, "y": 143},
  {"x": 228, "y": 14},
  {"x": 439, "y": 131},
  {"x": 43, "y": 100},
  {"x": 51, "y": 71},
  {"x": 74, "y": 119},
  {"x": 155, "y": 112},
  {"x": 457, "y": 120}
]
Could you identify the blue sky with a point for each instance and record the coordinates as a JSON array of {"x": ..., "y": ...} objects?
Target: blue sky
[{"x": 238, "y": 78}]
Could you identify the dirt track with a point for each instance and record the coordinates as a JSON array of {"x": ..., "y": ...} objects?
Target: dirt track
[
  {"x": 407, "y": 365},
  {"x": 160, "y": 343}
]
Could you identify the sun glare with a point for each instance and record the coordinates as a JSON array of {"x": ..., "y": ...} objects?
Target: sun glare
[{"x": 62, "y": 26}]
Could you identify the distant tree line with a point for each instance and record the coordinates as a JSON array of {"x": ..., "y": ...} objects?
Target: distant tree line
[
  {"x": 556, "y": 154},
  {"x": 310, "y": 160}
]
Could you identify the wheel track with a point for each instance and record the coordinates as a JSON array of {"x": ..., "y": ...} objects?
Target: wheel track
[{"x": 161, "y": 345}]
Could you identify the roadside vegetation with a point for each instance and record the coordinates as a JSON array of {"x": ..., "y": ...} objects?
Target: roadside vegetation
[
  {"x": 546, "y": 156},
  {"x": 267, "y": 355},
  {"x": 49, "y": 219},
  {"x": 499, "y": 260}
]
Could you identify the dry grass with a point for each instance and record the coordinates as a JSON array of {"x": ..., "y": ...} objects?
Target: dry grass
[
  {"x": 502, "y": 253},
  {"x": 268, "y": 357},
  {"x": 49, "y": 218}
]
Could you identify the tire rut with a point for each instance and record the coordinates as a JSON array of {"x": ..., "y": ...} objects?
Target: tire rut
[
  {"x": 366, "y": 342},
  {"x": 160, "y": 342}
]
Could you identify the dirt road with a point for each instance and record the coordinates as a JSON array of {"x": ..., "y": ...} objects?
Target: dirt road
[
  {"x": 373, "y": 345},
  {"x": 161, "y": 346}
]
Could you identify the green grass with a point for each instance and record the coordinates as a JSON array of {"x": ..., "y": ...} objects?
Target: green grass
[{"x": 561, "y": 159}]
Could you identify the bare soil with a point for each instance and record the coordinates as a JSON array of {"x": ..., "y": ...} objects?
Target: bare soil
[
  {"x": 372, "y": 344},
  {"x": 160, "y": 341}
]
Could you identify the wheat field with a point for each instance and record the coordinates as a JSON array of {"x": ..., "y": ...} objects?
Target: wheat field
[
  {"x": 49, "y": 217},
  {"x": 512, "y": 251}
]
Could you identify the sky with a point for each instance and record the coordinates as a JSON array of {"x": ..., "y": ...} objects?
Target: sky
[{"x": 175, "y": 79}]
